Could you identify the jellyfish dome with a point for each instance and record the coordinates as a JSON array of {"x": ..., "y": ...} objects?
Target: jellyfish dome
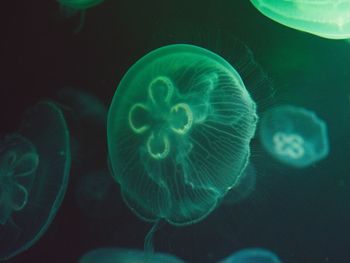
[
  {"x": 178, "y": 132},
  {"x": 325, "y": 18},
  {"x": 34, "y": 169},
  {"x": 252, "y": 255},
  {"x": 79, "y": 4},
  {"x": 115, "y": 255},
  {"x": 294, "y": 136}
]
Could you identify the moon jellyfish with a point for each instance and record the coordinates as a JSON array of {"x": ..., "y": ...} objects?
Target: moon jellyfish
[
  {"x": 71, "y": 7},
  {"x": 85, "y": 106},
  {"x": 97, "y": 195},
  {"x": 34, "y": 169},
  {"x": 178, "y": 131},
  {"x": 324, "y": 18},
  {"x": 115, "y": 255},
  {"x": 244, "y": 187},
  {"x": 294, "y": 136},
  {"x": 252, "y": 255}
]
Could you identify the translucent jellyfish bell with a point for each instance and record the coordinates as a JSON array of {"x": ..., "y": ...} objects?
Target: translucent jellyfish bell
[
  {"x": 252, "y": 255},
  {"x": 34, "y": 169},
  {"x": 114, "y": 255},
  {"x": 179, "y": 129},
  {"x": 244, "y": 187},
  {"x": 325, "y": 18},
  {"x": 294, "y": 135}
]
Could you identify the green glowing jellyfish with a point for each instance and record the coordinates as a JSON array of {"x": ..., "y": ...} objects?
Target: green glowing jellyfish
[
  {"x": 178, "y": 132},
  {"x": 70, "y": 8},
  {"x": 294, "y": 135},
  {"x": 115, "y": 255},
  {"x": 252, "y": 255},
  {"x": 325, "y": 18},
  {"x": 244, "y": 187},
  {"x": 34, "y": 169}
]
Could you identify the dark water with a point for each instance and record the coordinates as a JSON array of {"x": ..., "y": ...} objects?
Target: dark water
[{"x": 302, "y": 215}]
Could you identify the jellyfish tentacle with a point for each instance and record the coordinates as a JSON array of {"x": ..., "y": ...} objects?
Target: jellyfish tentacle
[{"x": 26, "y": 165}]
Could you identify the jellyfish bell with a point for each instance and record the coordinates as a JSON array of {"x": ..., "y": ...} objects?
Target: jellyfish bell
[
  {"x": 244, "y": 187},
  {"x": 37, "y": 163},
  {"x": 252, "y": 255},
  {"x": 71, "y": 8},
  {"x": 294, "y": 136},
  {"x": 324, "y": 18},
  {"x": 113, "y": 255},
  {"x": 196, "y": 144},
  {"x": 97, "y": 195}
]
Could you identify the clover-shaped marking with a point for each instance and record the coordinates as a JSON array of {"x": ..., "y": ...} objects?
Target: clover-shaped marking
[
  {"x": 291, "y": 145},
  {"x": 13, "y": 195},
  {"x": 159, "y": 117}
]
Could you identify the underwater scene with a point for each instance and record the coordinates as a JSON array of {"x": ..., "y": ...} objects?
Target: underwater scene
[{"x": 175, "y": 131}]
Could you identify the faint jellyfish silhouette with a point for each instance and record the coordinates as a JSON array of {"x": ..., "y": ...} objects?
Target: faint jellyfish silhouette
[
  {"x": 97, "y": 195},
  {"x": 85, "y": 106},
  {"x": 34, "y": 170},
  {"x": 294, "y": 135},
  {"x": 178, "y": 131},
  {"x": 324, "y": 18},
  {"x": 244, "y": 187},
  {"x": 252, "y": 255},
  {"x": 115, "y": 255},
  {"x": 70, "y": 8}
]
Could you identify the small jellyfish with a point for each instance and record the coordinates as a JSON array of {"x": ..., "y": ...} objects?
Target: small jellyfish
[
  {"x": 70, "y": 8},
  {"x": 34, "y": 170},
  {"x": 244, "y": 187},
  {"x": 85, "y": 106},
  {"x": 97, "y": 195},
  {"x": 252, "y": 255},
  {"x": 115, "y": 255},
  {"x": 178, "y": 131},
  {"x": 324, "y": 18},
  {"x": 294, "y": 136}
]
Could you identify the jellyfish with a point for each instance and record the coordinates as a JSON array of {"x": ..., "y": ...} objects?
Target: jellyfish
[
  {"x": 34, "y": 170},
  {"x": 324, "y": 18},
  {"x": 85, "y": 106},
  {"x": 178, "y": 131},
  {"x": 244, "y": 187},
  {"x": 71, "y": 7},
  {"x": 252, "y": 255},
  {"x": 294, "y": 135},
  {"x": 113, "y": 255},
  {"x": 97, "y": 195}
]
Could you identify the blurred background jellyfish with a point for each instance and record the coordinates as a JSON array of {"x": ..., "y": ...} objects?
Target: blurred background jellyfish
[
  {"x": 178, "y": 131},
  {"x": 85, "y": 106},
  {"x": 70, "y": 8},
  {"x": 252, "y": 255},
  {"x": 34, "y": 170},
  {"x": 115, "y": 255},
  {"x": 97, "y": 195},
  {"x": 294, "y": 135},
  {"x": 244, "y": 187},
  {"x": 324, "y": 18}
]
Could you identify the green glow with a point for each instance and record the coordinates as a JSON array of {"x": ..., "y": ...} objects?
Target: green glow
[
  {"x": 115, "y": 255},
  {"x": 34, "y": 170},
  {"x": 179, "y": 129},
  {"x": 79, "y": 4},
  {"x": 325, "y": 18},
  {"x": 294, "y": 136}
]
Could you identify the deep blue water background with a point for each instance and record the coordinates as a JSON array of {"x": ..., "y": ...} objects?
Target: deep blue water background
[{"x": 302, "y": 215}]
